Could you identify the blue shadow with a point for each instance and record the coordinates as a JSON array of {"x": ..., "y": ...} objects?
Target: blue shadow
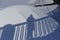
[
  {"x": 30, "y": 27},
  {"x": 8, "y": 32}
]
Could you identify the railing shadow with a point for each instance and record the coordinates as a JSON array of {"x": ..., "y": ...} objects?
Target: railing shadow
[
  {"x": 8, "y": 32},
  {"x": 56, "y": 14},
  {"x": 9, "y": 29}
]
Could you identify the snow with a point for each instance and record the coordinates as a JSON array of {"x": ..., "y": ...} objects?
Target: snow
[
  {"x": 18, "y": 14},
  {"x": 7, "y": 3},
  {"x": 34, "y": 2},
  {"x": 13, "y": 11}
]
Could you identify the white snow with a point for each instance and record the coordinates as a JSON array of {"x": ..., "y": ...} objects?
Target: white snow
[
  {"x": 34, "y": 2},
  {"x": 7, "y": 3},
  {"x": 18, "y": 14}
]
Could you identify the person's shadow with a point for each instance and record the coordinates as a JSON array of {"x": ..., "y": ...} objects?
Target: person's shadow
[
  {"x": 30, "y": 27},
  {"x": 8, "y": 32}
]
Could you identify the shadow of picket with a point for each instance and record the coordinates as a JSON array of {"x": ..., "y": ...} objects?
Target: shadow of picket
[{"x": 9, "y": 29}]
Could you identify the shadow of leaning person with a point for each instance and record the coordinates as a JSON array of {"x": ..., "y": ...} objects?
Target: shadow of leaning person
[
  {"x": 8, "y": 32},
  {"x": 30, "y": 27}
]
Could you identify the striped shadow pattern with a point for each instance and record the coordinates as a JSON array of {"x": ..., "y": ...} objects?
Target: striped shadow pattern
[{"x": 43, "y": 27}]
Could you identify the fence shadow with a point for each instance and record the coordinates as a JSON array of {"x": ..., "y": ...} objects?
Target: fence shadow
[{"x": 8, "y": 32}]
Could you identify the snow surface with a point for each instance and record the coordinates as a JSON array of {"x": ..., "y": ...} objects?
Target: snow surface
[
  {"x": 13, "y": 11},
  {"x": 6, "y": 3},
  {"x": 18, "y": 14}
]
